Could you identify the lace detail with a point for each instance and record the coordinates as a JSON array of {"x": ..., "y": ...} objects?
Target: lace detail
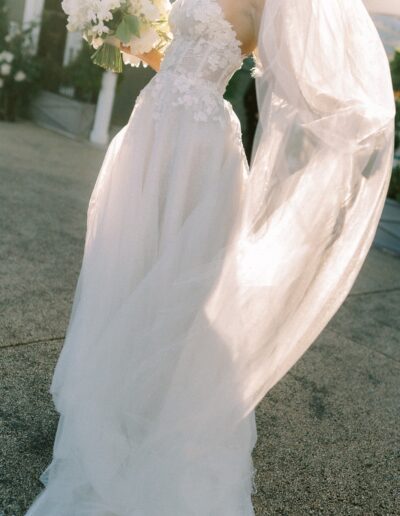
[
  {"x": 200, "y": 61},
  {"x": 207, "y": 25},
  {"x": 197, "y": 95}
]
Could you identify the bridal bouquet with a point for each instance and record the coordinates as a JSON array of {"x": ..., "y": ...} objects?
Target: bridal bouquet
[{"x": 141, "y": 25}]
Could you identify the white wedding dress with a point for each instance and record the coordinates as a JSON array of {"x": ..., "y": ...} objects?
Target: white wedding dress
[
  {"x": 198, "y": 288},
  {"x": 166, "y": 203}
]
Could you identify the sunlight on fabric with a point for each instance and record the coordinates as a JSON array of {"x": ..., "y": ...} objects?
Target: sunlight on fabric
[{"x": 383, "y": 6}]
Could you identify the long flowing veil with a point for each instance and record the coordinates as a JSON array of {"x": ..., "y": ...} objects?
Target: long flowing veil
[{"x": 318, "y": 181}]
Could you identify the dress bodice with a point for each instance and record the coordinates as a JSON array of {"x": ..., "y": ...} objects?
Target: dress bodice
[
  {"x": 204, "y": 54},
  {"x": 205, "y": 44}
]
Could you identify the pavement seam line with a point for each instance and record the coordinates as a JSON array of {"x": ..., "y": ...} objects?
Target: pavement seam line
[
  {"x": 29, "y": 342},
  {"x": 372, "y": 292},
  {"x": 360, "y": 343}
]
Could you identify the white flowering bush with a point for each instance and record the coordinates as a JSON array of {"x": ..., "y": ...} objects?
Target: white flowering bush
[
  {"x": 19, "y": 68},
  {"x": 141, "y": 25}
]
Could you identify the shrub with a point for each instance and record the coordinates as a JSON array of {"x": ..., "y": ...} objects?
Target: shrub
[
  {"x": 394, "y": 188},
  {"x": 83, "y": 77},
  {"x": 395, "y": 69},
  {"x": 19, "y": 68}
]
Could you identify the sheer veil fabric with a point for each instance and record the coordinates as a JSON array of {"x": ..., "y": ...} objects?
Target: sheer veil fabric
[
  {"x": 318, "y": 182},
  {"x": 204, "y": 280}
]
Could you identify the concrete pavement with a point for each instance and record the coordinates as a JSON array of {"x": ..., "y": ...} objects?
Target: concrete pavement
[{"x": 329, "y": 432}]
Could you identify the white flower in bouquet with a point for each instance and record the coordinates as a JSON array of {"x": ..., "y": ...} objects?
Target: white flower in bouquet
[
  {"x": 20, "y": 76},
  {"x": 141, "y": 45},
  {"x": 97, "y": 43},
  {"x": 107, "y": 24},
  {"x": 6, "y": 56},
  {"x": 5, "y": 69}
]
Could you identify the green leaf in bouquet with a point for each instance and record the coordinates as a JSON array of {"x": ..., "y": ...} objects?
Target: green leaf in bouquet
[
  {"x": 123, "y": 33},
  {"x": 129, "y": 26},
  {"x": 108, "y": 57},
  {"x": 133, "y": 24}
]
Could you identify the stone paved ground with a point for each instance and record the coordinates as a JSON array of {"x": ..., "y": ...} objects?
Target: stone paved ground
[{"x": 329, "y": 432}]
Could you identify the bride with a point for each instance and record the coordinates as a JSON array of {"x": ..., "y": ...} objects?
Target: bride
[{"x": 205, "y": 279}]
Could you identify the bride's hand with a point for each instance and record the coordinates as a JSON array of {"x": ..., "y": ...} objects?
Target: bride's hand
[{"x": 152, "y": 58}]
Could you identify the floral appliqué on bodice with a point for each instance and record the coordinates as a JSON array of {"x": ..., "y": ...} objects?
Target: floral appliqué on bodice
[{"x": 200, "y": 61}]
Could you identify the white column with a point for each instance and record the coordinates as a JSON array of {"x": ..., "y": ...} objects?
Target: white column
[
  {"x": 72, "y": 46},
  {"x": 33, "y": 12},
  {"x": 100, "y": 132}
]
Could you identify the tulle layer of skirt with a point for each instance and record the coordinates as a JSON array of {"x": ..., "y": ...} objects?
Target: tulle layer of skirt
[{"x": 141, "y": 361}]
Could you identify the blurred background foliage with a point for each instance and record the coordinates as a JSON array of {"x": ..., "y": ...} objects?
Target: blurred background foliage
[
  {"x": 241, "y": 92},
  {"x": 79, "y": 77},
  {"x": 395, "y": 69},
  {"x": 84, "y": 77},
  {"x": 19, "y": 67}
]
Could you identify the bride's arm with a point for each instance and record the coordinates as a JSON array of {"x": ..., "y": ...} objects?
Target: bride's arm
[
  {"x": 152, "y": 58},
  {"x": 244, "y": 16}
]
